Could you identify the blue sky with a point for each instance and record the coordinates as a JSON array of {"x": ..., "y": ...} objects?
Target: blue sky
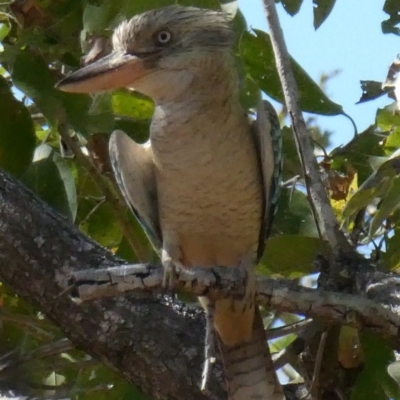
[{"x": 350, "y": 40}]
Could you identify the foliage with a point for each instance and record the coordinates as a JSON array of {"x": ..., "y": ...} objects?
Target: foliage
[{"x": 42, "y": 41}]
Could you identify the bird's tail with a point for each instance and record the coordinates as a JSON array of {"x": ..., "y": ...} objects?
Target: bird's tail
[{"x": 249, "y": 370}]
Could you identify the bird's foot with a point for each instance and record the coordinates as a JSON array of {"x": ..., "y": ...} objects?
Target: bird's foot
[
  {"x": 170, "y": 268},
  {"x": 209, "y": 346}
]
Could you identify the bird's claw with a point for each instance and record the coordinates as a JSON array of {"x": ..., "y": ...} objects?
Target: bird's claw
[
  {"x": 169, "y": 276},
  {"x": 209, "y": 346},
  {"x": 171, "y": 268}
]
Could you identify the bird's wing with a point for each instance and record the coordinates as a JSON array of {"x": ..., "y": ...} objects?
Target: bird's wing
[
  {"x": 268, "y": 140},
  {"x": 134, "y": 172}
]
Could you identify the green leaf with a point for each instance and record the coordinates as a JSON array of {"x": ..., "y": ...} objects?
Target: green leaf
[
  {"x": 371, "y": 90},
  {"x": 69, "y": 183},
  {"x": 133, "y": 114},
  {"x": 373, "y": 381},
  {"x": 350, "y": 353},
  {"x": 250, "y": 93},
  {"x": 358, "y": 153},
  {"x": 390, "y": 202},
  {"x": 282, "y": 342},
  {"x": 101, "y": 225},
  {"x": 377, "y": 185},
  {"x": 322, "y": 9},
  {"x": 132, "y": 104},
  {"x": 294, "y": 214},
  {"x": 51, "y": 26},
  {"x": 50, "y": 177},
  {"x": 98, "y": 18},
  {"x": 291, "y": 255},
  {"x": 292, "y": 7},
  {"x": 17, "y": 133},
  {"x": 291, "y": 162},
  {"x": 31, "y": 75},
  {"x": 4, "y": 30},
  {"x": 392, "y": 142},
  {"x": 392, "y": 255},
  {"x": 258, "y": 57},
  {"x": 137, "y": 130},
  {"x": 391, "y": 7},
  {"x": 386, "y": 119},
  {"x": 133, "y": 393},
  {"x": 389, "y": 26},
  {"x": 125, "y": 250},
  {"x": 99, "y": 117},
  {"x": 239, "y": 24},
  {"x": 394, "y": 371},
  {"x": 76, "y": 107},
  {"x": 96, "y": 217}
]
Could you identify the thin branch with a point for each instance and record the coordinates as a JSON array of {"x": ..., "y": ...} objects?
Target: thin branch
[
  {"x": 317, "y": 366},
  {"x": 47, "y": 350},
  {"x": 93, "y": 210},
  {"x": 287, "y": 329},
  {"x": 289, "y": 354},
  {"x": 322, "y": 211},
  {"x": 28, "y": 324}
]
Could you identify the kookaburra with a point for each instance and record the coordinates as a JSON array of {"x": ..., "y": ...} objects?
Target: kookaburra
[{"x": 206, "y": 185}]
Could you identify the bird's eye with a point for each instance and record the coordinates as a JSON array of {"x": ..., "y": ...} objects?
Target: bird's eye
[{"x": 163, "y": 37}]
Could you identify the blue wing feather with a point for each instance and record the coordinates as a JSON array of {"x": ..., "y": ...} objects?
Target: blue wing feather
[
  {"x": 268, "y": 140},
  {"x": 133, "y": 171}
]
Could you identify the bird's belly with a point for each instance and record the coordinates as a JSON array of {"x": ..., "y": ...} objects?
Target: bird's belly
[{"x": 211, "y": 206}]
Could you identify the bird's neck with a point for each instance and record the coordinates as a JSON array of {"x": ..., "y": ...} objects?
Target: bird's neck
[
  {"x": 207, "y": 79},
  {"x": 214, "y": 94}
]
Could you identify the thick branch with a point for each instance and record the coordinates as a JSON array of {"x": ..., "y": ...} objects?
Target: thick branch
[
  {"x": 280, "y": 294},
  {"x": 322, "y": 210},
  {"x": 152, "y": 342}
]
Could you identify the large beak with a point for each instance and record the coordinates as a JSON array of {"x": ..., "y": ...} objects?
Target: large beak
[{"x": 114, "y": 71}]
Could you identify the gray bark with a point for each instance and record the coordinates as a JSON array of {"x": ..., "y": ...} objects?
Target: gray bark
[{"x": 154, "y": 342}]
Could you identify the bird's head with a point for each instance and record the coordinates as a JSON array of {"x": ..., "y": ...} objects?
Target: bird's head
[{"x": 160, "y": 53}]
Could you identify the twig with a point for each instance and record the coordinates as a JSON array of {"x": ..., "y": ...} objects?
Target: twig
[
  {"x": 322, "y": 211},
  {"x": 317, "y": 366},
  {"x": 48, "y": 350},
  {"x": 93, "y": 210},
  {"x": 291, "y": 182},
  {"x": 28, "y": 323},
  {"x": 289, "y": 354},
  {"x": 115, "y": 199},
  {"x": 286, "y": 329}
]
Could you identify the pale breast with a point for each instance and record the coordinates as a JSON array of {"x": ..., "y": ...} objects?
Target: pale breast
[{"x": 209, "y": 188}]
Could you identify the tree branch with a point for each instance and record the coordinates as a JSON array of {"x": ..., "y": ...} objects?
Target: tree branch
[
  {"x": 280, "y": 294},
  {"x": 152, "y": 341},
  {"x": 319, "y": 201},
  {"x": 339, "y": 274}
]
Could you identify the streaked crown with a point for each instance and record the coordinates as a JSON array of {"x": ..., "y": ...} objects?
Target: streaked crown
[{"x": 188, "y": 27}]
